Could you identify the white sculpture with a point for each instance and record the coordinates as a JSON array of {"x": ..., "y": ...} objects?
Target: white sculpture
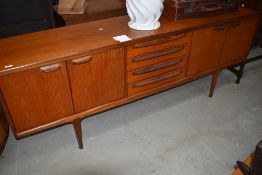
[{"x": 144, "y": 14}]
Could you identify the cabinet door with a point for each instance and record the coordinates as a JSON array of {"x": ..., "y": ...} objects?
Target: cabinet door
[
  {"x": 238, "y": 40},
  {"x": 205, "y": 49},
  {"x": 37, "y": 96},
  {"x": 97, "y": 79}
]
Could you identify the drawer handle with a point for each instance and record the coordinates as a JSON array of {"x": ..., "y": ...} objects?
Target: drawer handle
[
  {"x": 158, "y": 54},
  {"x": 156, "y": 79},
  {"x": 220, "y": 27},
  {"x": 50, "y": 68},
  {"x": 158, "y": 41},
  {"x": 82, "y": 60},
  {"x": 235, "y": 24},
  {"x": 158, "y": 66}
]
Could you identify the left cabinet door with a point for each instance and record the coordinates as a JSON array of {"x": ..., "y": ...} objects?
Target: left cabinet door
[
  {"x": 97, "y": 79},
  {"x": 37, "y": 96}
]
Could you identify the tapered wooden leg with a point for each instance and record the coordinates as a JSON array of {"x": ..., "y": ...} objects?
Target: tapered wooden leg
[
  {"x": 78, "y": 132},
  {"x": 213, "y": 83}
]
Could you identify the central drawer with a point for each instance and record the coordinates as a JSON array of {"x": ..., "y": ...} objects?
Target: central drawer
[
  {"x": 156, "y": 69},
  {"x": 156, "y": 81},
  {"x": 157, "y": 56},
  {"x": 157, "y": 45}
]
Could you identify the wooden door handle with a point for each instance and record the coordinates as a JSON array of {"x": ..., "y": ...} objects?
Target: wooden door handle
[
  {"x": 158, "y": 41},
  {"x": 156, "y": 79},
  {"x": 220, "y": 27},
  {"x": 208, "y": 9},
  {"x": 235, "y": 24},
  {"x": 82, "y": 60},
  {"x": 158, "y": 66},
  {"x": 158, "y": 53},
  {"x": 50, "y": 68}
]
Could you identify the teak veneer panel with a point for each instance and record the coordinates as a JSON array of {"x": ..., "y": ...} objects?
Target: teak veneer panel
[
  {"x": 35, "y": 98},
  {"x": 238, "y": 40},
  {"x": 35, "y": 49},
  {"x": 97, "y": 81},
  {"x": 206, "y": 49}
]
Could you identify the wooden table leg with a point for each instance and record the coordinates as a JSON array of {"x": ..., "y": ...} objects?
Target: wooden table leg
[
  {"x": 238, "y": 72},
  {"x": 213, "y": 83},
  {"x": 78, "y": 132},
  {"x": 241, "y": 72}
]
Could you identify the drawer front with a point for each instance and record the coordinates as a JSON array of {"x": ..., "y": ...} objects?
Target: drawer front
[
  {"x": 157, "y": 56},
  {"x": 156, "y": 81},
  {"x": 158, "y": 44},
  {"x": 156, "y": 69}
]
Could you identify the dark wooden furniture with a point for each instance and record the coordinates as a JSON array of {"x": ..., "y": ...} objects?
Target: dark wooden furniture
[
  {"x": 25, "y": 16},
  {"x": 64, "y": 75}
]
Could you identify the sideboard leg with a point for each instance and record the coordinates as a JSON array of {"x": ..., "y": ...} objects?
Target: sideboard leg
[
  {"x": 240, "y": 72},
  {"x": 78, "y": 132},
  {"x": 213, "y": 83}
]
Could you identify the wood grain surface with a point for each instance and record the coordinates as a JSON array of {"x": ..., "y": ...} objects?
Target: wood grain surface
[
  {"x": 45, "y": 47},
  {"x": 98, "y": 81},
  {"x": 35, "y": 98}
]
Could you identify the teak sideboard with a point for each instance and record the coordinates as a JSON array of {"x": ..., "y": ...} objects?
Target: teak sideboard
[{"x": 64, "y": 75}]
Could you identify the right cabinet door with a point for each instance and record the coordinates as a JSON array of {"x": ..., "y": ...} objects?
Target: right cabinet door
[
  {"x": 206, "y": 49},
  {"x": 238, "y": 40},
  {"x": 97, "y": 79}
]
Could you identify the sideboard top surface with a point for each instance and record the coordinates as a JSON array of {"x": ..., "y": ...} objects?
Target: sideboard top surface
[{"x": 35, "y": 49}]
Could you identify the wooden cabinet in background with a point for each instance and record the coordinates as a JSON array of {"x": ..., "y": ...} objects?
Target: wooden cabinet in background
[
  {"x": 37, "y": 96},
  {"x": 97, "y": 79}
]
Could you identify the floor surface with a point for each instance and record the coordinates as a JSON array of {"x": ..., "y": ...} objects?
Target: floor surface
[{"x": 178, "y": 132}]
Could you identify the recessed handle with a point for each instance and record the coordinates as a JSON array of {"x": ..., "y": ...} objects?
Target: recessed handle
[
  {"x": 158, "y": 41},
  {"x": 156, "y": 79},
  {"x": 158, "y": 66},
  {"x": 220, "y": 27},
  {"x": 208, "y": 9},
  {"x": 158, "y": 53},
  {"x": 235, "y": 24},
  {"x": 82, "y": 60},
  {"x": 50, "y": 68}
]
